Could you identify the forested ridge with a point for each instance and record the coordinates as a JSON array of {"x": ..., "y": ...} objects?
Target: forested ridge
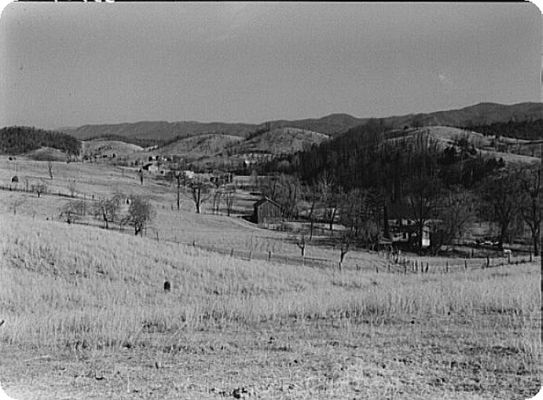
[
  {"x": 371, "y": 174},
  {"x": 22, "y": 139}
]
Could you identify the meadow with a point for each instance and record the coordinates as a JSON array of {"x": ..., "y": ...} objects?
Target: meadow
[{"x": 87, "y": 317}]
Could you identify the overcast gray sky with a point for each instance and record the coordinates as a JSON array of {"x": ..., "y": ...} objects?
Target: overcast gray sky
[{"x": 69, "y": 64}]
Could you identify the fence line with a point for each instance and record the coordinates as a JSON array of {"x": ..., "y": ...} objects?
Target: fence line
[{"x": 391, "y": 263}]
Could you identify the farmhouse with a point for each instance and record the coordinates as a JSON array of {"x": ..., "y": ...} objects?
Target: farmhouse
[
  {"x": 403, "y": 227},
  {"x": 267, "y": 211},
  {"x": 150, "y": 167}
]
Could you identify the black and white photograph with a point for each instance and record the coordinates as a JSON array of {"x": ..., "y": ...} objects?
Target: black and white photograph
[{"x": 271, "y": 200}]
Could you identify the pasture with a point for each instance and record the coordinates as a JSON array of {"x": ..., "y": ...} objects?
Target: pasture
[{"x": 87, "y": 317}]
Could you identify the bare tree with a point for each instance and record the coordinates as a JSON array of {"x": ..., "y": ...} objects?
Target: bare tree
[
  {"x": 217, "y": 196},
  {"x": 329, "y": 197},
  {"x": 312, "y": 196},
  {"x": 180, "y": 179},
  {"x": 361, "y": 212},
  {"x": 16, "y": 203},
  {"x": 456, "y": 212},
  {"x": 346, "y": 240},
  {"x": 229, "y": 197},
  {"x": 140, "y": 213},
  {"x": 50, "y": 169},
  {"x": 530, "y": 204},
  {"x": 200, "y": 191},
  {"x": 301, "y": 243},
  {"x": 73, "y": 210},
  {"x": 72, "y": 187},
  {"x": 424, "y": 186},
  {"x": 39, "y": 188},
  {"x": 107, "y": 209},
  {"x": 501, "y": 202}
]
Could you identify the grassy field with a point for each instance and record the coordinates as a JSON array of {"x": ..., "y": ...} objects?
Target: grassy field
[
  {"x": 87, "y": 317},
  {"x": 91, "y": 301}
]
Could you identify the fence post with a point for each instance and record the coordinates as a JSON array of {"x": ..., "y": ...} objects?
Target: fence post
[
  {"x": 269, "y": 255},
  {"x": 465, "y": 264},
  {"x": 427, "y": 267},
  {"x": 447, "y": 266},
  {"x": 508, "y": 258},
  {"x": 250, "y": 254},
  {"x": 232, "y": 252},
  {"x": 194, "y": 243}
]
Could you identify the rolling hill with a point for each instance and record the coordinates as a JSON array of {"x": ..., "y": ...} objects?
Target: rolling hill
[
  {"x": 159, "y": 130},
  {"x": 47, "y": 154},
  {"x": 332, "y": 125},
  {"x": 108, "y": 147},
  {"x": 280, "y": 141},
  {"x": 446, "y": 136},
  {"x": 199, "y": 146}
]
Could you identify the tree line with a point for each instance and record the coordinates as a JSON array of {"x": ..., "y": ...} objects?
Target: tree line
[
  {"x": 108, "y": 210},
  {"x": 22, "y": 139},
  {"x": 368, "y": 179}
]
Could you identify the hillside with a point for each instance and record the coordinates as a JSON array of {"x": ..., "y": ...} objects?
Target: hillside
[
  {"x": 446, "y": 136},
  {"x": 108, "y": 148},
  {"x": 47, "y": 154},
  {"x": 85, "y": 309},
  {"x": 332, "y": 125},
  {"x": 159, "y": 130},
  {"x": 280, "y": 141},
  {"x": 477, "y": 115},
  {"x": 199, "y": 146},
  {"x": 23, "y": 139}
]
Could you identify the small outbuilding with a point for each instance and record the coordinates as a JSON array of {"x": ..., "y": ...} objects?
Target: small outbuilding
[
  {"x": 15, "y": 179},
  {"x": 267, "y": 211}
]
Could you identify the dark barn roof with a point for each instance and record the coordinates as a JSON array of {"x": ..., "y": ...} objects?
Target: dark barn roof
[{"x": 266, "y": 210}]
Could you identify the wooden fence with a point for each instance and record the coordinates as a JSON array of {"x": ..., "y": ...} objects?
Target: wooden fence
[{"x": 390, "y": 263}]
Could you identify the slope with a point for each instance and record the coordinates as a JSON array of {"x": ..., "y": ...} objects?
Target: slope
[
  {"x": 199, "y": 146},
  {"x": 333, "y": 124},
  {"x": 280, "y": 141},
  {"x": 108, "y": 148}
]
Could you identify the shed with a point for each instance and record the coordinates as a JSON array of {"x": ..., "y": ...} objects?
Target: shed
[{"x": 266, "y": 211}]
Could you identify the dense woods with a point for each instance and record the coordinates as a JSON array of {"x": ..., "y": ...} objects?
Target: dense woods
[
  {"x": 376, "y": 174},
  {"x": 21, "y": 139}
]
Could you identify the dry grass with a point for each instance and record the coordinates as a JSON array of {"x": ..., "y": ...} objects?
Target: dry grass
[
  {"x": 92, "y": 301},
  {"x": 62, "y": 284}
]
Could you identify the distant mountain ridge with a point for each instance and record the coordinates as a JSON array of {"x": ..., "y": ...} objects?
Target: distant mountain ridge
[{"x": 332, "y": 125}]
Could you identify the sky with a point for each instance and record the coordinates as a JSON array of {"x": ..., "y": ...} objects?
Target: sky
[{"x": 71, "y": 64}]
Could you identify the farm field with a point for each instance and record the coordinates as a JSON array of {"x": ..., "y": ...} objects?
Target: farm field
[
  {"x": 88, "y": 308},
  {"x": 185, "y": 226},
  {"x": 86, "y": 315}
]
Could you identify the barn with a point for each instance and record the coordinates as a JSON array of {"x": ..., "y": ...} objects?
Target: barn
[{"x": 267, "y": 211}]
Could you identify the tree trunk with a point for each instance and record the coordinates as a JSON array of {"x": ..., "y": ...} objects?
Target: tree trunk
[
  {"x": 535, "y": 241},
  {"x": 421, "y": 232},
  {"x": 332, "y": 217},
  {"x": 385, "y": 222},
  {"x": 178, "y": 190}
]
